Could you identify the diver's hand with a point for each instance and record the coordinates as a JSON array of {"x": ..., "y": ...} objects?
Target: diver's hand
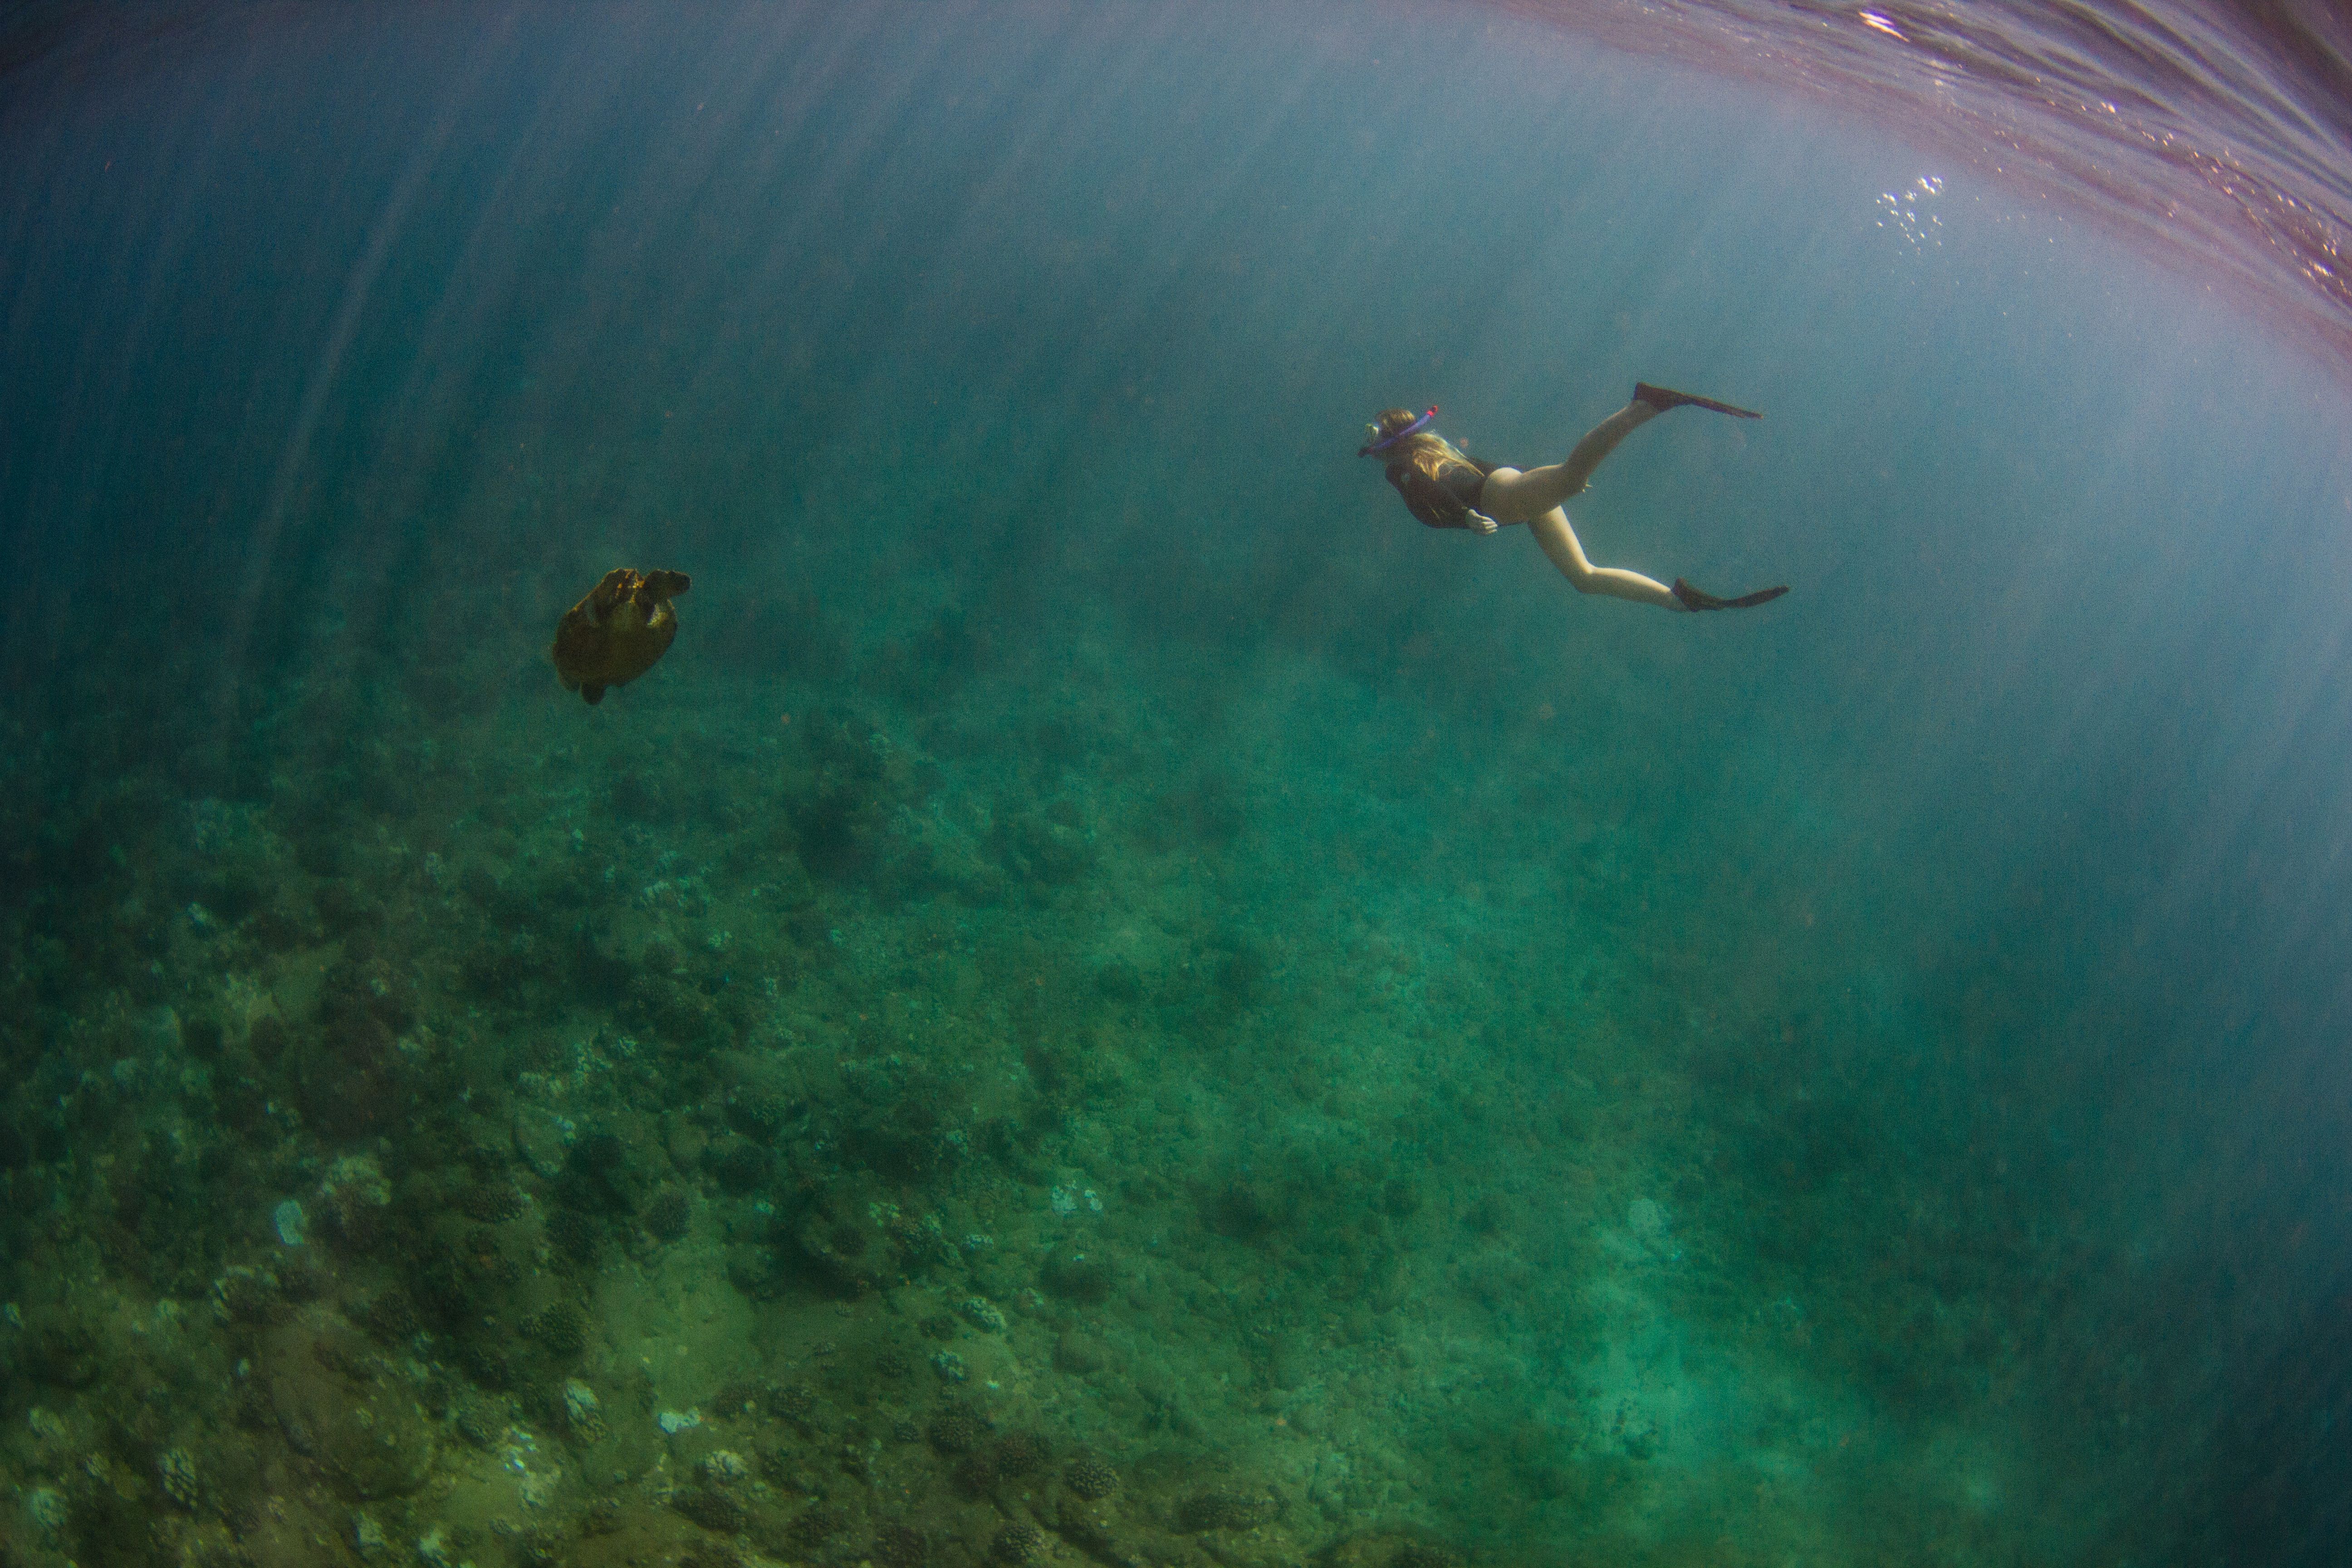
[{"x": 1479, "y": 522}]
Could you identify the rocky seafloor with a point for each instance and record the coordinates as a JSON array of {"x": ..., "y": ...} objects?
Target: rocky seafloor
[{"x": 949, "y": 1106}]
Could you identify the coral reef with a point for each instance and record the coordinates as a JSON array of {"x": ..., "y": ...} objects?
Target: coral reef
[
  {"x": 823, "y": 1119},
  {"x": 1090, "y": 1477},
  {"x": 1020, "y": 1454},
  {"x": 668, "y": 1215},
  {"x": 1017, "y": 1543},
  {"x": 711, "y": 1508},
  {"x": 955, "y": 1430},
  {"x": 900, "y": 1546}
]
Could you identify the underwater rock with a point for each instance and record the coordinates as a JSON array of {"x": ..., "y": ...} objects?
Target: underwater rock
[
  {"x": 583, "y": 1409},
  {"x": 1387, "y": 1549},
  {"x": 203, "y": 1038},
  {"x": 481, "y": 1420},
  {"x": 1247, "y": 1210},
  {"x": 1049, "y": 849},
  {"x": 45, "y": 1507},
  {"x": 176, "y": 1471},
  {"x": 857, "y": 805},
  {"x": 158, "y": 1033},
  {"x": 1289, "y": 1360},
  {"x": 1077, "y": 1276},
  {"x": 896, "y": 1121},
  {"x": 1224, "y": 1507},
  {"x": 365, "y": 984},
  {"x": 845, "y": 1240},
  {"x": 339, "y": 1406},
  {"x": 390, "y": 1316},
  {"x": 345, "y": 907},
  {"x": 246, "y": 1298},
  {"x": 356, "y": 1198},
  {"x": 347, "y": 1078},
  {"x": 541, "y": 1139},
  {"x": 1078, "y": 1354},
  {"x": 267, "y": 1039},
  {"x": 739, "y": 1165},
  {"x": 595, "y": 1178},
  {"x": 61, "y": 1350},
  {"x": 761, "y": 1272},
  {"x": 618, "y": 631},
  {"x": 757, "y": 1116},
  {"x": 1119, "y": 980}
]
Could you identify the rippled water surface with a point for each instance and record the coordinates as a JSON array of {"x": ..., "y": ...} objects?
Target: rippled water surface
[{"x": 2218, "y": 135}]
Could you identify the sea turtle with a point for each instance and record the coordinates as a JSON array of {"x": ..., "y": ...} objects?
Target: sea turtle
[{"x": 615, "y": 634}]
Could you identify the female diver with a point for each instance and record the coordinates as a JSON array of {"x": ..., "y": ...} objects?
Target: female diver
[{"x": 1446, "y": 489}]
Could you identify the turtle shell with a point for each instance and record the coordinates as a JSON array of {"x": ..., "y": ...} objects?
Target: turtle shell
[{"x": 615, "y": 634}]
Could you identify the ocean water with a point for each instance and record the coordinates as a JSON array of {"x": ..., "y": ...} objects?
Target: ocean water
[{"x": 1113, "y": 999}]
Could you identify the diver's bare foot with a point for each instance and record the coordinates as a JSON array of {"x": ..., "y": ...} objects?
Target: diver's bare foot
[{"x": 1662, "y": 398}]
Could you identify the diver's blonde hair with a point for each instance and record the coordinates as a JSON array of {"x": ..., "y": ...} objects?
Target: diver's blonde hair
[{"x": 1425, "y": 451}]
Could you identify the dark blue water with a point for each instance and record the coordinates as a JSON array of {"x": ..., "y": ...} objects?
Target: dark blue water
[{"x": 1112, "y": 997}]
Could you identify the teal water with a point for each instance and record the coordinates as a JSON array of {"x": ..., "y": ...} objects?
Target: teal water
[{"x": 1113, "y": 998}]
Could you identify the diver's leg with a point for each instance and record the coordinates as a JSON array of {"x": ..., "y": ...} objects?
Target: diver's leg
[
  {"x": 1560, "y": 541},
  {"x": 1513, "y": 496}
]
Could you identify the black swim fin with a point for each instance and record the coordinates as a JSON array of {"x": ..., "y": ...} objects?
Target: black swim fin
[
  {"x": 1694, "y": 599},
  {"x": 1662, "y": 399}
]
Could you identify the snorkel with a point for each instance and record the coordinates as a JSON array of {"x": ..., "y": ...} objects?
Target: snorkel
[{"x": 1385, "y": 442}]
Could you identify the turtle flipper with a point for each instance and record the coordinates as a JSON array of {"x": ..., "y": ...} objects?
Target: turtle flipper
[{"x": 593, "y": 695}]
